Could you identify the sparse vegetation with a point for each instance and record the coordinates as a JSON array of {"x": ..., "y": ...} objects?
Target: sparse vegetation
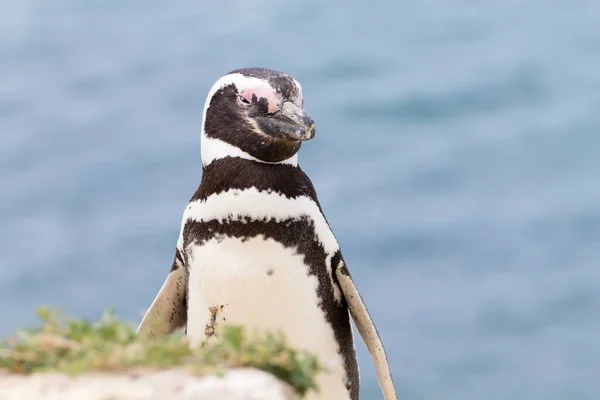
[{"x": 75, "y": 346}]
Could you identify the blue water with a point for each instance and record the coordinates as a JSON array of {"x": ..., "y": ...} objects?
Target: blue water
[{"x": 457, "y": 158}]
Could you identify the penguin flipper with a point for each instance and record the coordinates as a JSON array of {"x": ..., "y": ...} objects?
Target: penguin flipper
[
  {"x": 168, "y": 311},
  {"x": 366, "y": 329}
]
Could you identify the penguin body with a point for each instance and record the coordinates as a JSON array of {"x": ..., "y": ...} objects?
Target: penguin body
[{"x": 255, "y": 248}]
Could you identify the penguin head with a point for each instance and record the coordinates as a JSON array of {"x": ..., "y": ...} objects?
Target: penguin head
[{"x": 255, "y": 113}]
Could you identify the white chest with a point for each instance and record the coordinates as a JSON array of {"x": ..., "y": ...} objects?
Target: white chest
[
  {"x": 260, "y": 284},
  {"x": 257, "y": 283}
]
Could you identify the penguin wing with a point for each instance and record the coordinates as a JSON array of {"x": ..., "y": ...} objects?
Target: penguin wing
[
  {"x": 168, "y": 311},
  {"x": 367, "y": 331}
]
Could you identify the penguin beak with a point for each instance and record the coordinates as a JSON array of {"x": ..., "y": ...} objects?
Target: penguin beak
[{"x": 290, "y": 123}]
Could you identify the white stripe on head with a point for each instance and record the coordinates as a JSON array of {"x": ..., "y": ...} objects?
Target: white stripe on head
[
  {"x": 212, "y": 149},
  {"x": 300, "y": 97}
]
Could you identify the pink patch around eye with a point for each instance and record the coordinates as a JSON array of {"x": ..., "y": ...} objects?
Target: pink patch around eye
[{"x": 272, "y": 99}]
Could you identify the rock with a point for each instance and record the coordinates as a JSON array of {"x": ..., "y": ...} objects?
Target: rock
[{"x": 235, "y": 384}]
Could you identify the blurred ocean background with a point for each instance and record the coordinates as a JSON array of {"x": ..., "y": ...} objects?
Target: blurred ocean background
[{"x": 455, "y": 158}]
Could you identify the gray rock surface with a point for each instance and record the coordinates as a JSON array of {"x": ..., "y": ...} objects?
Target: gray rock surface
[{"x": 236, "y": 384}]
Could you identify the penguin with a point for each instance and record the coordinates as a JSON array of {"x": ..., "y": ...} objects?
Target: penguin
[{"x": 255, "y": 249}]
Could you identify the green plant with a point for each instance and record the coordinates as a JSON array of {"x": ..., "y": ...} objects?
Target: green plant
[{"x": 74, "y": 346}]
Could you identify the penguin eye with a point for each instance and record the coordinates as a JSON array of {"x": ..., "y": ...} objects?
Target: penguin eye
[{"x": 244, "y": 100}]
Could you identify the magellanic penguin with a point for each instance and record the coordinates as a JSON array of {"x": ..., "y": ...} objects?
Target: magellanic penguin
[{"x": 255, "y": 249}]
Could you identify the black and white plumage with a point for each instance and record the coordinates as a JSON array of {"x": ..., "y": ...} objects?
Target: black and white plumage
[{"x": 255, "y": 248}]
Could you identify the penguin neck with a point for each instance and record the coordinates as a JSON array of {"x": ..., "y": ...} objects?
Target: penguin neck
[
  {"x": 212, "y": 149},
  {"x": 236, "y": 173}
]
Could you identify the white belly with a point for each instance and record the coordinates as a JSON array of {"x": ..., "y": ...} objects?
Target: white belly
[{"x": 262, "y": 285}]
